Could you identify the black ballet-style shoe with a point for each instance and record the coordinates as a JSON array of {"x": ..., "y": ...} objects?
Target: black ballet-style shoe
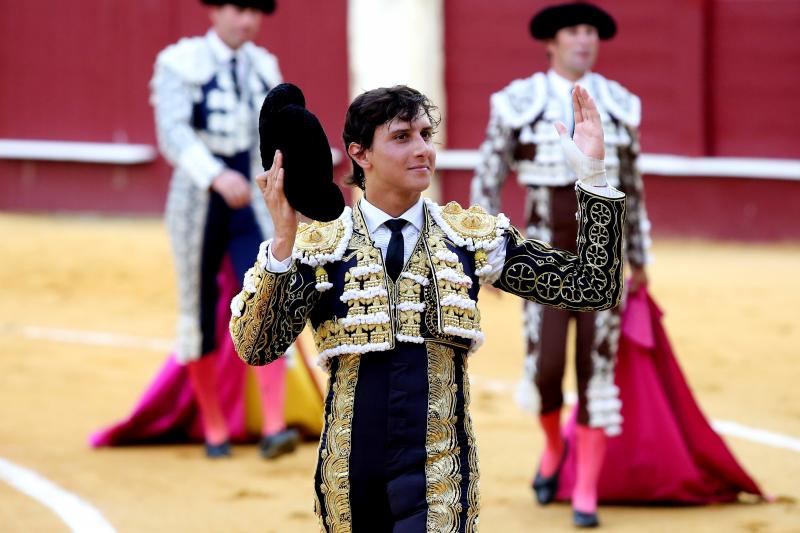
[
  {"x": 546, "y": 488},
  {"x": 215, "y": 451},
  {"x": 581, "y": 519},
  {"x": 277, "y": 444}
]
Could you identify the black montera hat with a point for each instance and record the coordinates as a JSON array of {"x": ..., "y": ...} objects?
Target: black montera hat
[
  {"x": 286, "y": 125},
  {"x": 549, "y": 20},
  {"x": 267, "y": 6}
]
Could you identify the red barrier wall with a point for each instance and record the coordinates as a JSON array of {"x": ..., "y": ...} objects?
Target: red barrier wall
[
  {"x": 79, "y": 71},
  {"x": 716, "y": 78}
]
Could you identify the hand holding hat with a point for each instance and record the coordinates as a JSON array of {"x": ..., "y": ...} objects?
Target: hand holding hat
[{"x": 305, "y": 155}]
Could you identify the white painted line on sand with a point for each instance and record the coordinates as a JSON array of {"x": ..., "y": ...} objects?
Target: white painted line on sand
[
  {"x": 77, "y": 514},
  {"x": 733, "y": 429},
  {"x": 723, "y": 427},
  {"x": 95, "y": 338},
  {"x": 761, "y": 436}
]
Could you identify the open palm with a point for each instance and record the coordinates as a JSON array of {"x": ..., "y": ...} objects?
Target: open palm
[{"x": 588, "y": 134}]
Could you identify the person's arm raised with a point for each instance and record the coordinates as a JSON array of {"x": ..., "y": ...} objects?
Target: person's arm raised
[
  {"x": 585, "y": 151},
  {"x": 591, "y": 279},
  {"x": 284, "y": 216}
]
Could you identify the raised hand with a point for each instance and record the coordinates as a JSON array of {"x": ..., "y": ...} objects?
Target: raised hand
[
  {"x": 588, "y": 134},
  {"x": 284, "y": 216}
]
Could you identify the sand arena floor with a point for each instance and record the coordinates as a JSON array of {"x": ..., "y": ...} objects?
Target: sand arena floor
[{"x": 731, "y": 313}]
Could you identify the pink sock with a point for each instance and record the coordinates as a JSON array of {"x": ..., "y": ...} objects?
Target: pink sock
[
  {"x": 203, "y": 378},
  {"x": 554, "y": 445},
  {"x": 591, "y": 449},
  {"x": 272, "y": 389}
]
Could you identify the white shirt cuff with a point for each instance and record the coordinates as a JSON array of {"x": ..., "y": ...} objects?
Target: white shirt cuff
[
  {"x": 275, "y": 266},
  {"x": 606, "y": 191}
]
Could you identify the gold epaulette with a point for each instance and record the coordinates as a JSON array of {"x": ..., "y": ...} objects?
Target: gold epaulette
[
  {"x": 319, "y": 243},
  {"x": 474, "y": 227},
  {"x": 473, "y": 223}
]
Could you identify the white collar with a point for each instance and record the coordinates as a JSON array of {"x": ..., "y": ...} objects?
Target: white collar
[
  {"x": 222, "y": 51},
  {"x": 563, "y": 86},
  {"x": 374, "y": 217}
]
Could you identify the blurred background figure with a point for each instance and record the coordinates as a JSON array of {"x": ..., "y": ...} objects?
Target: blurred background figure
[
  {"x": 521, "y": 136},
  {"x": 207, "y": 93}
]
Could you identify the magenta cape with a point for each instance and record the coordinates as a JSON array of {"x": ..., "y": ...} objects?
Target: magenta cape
[
  {"x": 168, "y": 412},
  {"x": 667, "y": 451}
]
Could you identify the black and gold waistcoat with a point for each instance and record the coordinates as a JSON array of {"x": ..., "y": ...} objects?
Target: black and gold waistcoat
[{"x": 338, "y": 282}]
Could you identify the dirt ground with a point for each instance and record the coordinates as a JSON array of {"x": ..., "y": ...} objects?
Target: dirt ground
[{"x": 730, "y": 313}]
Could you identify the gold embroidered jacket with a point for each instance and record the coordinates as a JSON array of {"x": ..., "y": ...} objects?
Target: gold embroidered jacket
[{"x": 337, "y": 281}]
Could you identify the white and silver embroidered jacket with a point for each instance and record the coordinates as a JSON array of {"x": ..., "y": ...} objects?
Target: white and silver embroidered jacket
[
  {"x": 521, "y": 137},
  {"x": 200, "y": 120}
]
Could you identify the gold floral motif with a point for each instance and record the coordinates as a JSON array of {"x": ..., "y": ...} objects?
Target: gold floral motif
[
  {"x": 380, "y": 333},
  {"x": 410, "y": 323},
  {"x": 319, "y": 237},
  {"x": 473, "y": 488},
  {"x": 410, "y": 291},
  {"x": 442, "y": 465},
  {"x": 472, "y": 223},
  {"x": 321, "y": 274},
  {"x": 451, "y": 315},
  {"x": 330, "y": 334},
  {"x": 335, "y": 458},
  {"x": 246, "y": 329},
  {"x": 481, "y": 260},
  {"x": 418, "y": 263}
]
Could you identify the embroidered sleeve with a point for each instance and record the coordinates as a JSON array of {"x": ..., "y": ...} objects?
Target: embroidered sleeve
[
  {"x": 590, "y": 280},
  {"x": 172, "y": 101},
  {"x": 271, "y": 311},
  {"x": 637, "y": 225},
  {"x": 496, "y": 158}
]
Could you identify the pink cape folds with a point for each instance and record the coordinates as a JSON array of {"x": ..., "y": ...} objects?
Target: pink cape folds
[
  {"x": 667, "y": 452},
  {"x": 168, "y": 412}
]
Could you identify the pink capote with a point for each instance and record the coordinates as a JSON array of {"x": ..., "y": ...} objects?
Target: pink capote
[
  {"x": 168, "y": 411},
  {"x": 667, "y": 452}
]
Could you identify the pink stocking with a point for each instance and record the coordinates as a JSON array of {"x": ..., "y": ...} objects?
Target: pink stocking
[
  {"x": 554, "y": 445},
  {"x": 272, "y": 389},
  {"x": 591, "y": 449},
  {"x": 204, "y": 382}
]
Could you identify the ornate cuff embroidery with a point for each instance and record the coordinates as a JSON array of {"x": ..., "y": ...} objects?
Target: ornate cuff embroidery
[{"x": 588, "y": 281}]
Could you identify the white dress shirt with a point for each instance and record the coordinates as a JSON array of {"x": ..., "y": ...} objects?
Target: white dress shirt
[
  {"x": 380, "y": 233},
  {"x": 562, "y": 89}
]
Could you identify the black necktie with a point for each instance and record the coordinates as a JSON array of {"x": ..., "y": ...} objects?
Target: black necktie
[
  {"x": 394, "y": 253},
  {"x": 235, "y": 76}
]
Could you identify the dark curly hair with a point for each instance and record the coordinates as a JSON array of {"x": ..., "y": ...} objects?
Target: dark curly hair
[{"x": 374, "y": 108}]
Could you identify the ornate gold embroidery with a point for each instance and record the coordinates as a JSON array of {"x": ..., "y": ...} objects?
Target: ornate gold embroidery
[
  {"x": 410, "y": 295},
  {"x": 586, "y": 282},
  {"x": 442, "y": 466},
  {"x": 318, "y": 512},
  {"x": 458, "y": 311},
  {"x": 473, "y": 223},
  {"x": 473, "y": 489},
  {"x": 335, "y": 458},
  {"x": 369, "y": 299},
  {"x": 319, "y": 237},
  {"x": 246, "y": 328},
  {"x": 272, "y": 316}
]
